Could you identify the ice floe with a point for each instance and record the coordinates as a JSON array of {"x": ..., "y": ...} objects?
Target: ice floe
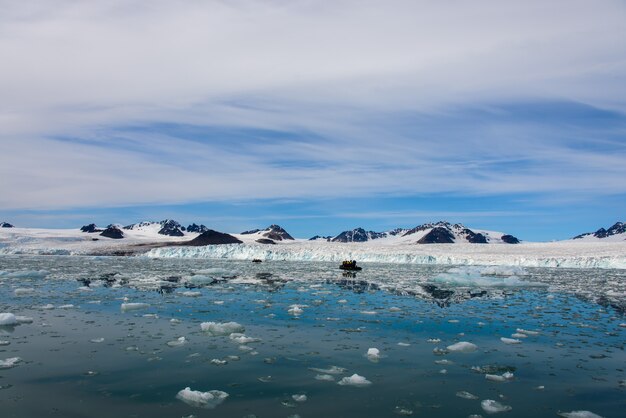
[
  {"x": 462, "y": 347},
  {"x": 10, "y": 362},
  {"x": 504, "y": 377},
  {"x": 7, "y": 318},
  {"x": 492, "y": 407},
  {"x": 208, "y": 400},
  {"x": 373, "y": 354},
  {"x": 177, "y": 342},
  {"x": 222, "y": 328},
  {"x": 466, "y": 395},
  {"x": 354, "y": 380},
  {"x": 510, "y": 340},
  {"x": 329, "y": 370},
  {"x": 579, "y": 414},
  {"x": 132, "y": 306}
]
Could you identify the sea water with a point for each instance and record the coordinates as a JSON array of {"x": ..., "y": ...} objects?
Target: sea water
[{"x": 124, "y": 336}]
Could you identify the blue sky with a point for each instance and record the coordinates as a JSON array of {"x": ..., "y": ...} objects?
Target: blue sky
[{"x": 498, "y": 115}]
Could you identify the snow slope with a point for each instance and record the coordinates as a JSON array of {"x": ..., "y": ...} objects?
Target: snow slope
[{"x": 581, "y": 253}]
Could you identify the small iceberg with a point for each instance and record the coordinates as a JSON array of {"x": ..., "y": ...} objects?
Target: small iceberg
[
  {"x": 579, "y": 414},
  {"x": 9, "y": 363},
  {"x": 132, "y": 306},
  {"x": 177, "y": 342},
  {"x": 510, "y": 340},
  {"x": 462, "y": 347},
  {"x": 493, "y": 407},
  {"x": 354, "y": 380},
  {"x": 222, "y": 328},
  {"x": 207, "y": 400},
  {"x": 373, "y": 355},
  {"x": 8, "y": 319},
  {"x": 505, "y": 377}
]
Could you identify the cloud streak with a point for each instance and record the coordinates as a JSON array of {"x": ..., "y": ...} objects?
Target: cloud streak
[{"x": 123, "y": 103}]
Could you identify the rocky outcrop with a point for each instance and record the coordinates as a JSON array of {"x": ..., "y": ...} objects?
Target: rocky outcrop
[
  {"x": 474, "y": 237},
  {"x": 113, "y": 232},
  {"x": 318, "y": 237},
  {"x": 212, "y": 237},
  {"x": 265, "y": 241},
  {"x": 171, "y": 228},
  {"x": 437, "y": 235},
  {"x": 276, "y": 233},
  {"x": 509, "y": 239},
  {"x": 250, "y": 232},
  {"x": 6, "y": 225},
  {"x": 197, "y": 228},
  {"x": 91, "y": 228},
  {"x": 358, "y": 235},
  {"x": 617, "y": 229}
]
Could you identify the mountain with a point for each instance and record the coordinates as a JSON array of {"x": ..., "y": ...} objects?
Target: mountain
[
  {"x": 358, "y": 235},
  {"x": 168, "y": 227},
  {"x": 91, "y": 228},
  {"x": 211, "y": 237},
  {"x": 197, "y": 228},
  {"x": 431, "y": 233},
  {"x": 616, "y": 232},
  {"x": 113, "y": 232},
  {"x": 320, "y": 238},
  {"x": 6, "y": 225},
  {"x": 273, "y": 232}
]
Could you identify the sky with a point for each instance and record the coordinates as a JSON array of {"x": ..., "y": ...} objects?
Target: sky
[{"x": 319, "y": 116}]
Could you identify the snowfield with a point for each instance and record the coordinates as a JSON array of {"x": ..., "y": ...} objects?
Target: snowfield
[{"x": 581, "y": 253}]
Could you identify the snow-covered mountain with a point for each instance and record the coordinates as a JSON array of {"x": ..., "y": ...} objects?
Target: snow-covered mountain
[
  {"x": 617, "y": 232},
  {"x": 431, "y": 233},
  {"x": 273, "y": 232}
]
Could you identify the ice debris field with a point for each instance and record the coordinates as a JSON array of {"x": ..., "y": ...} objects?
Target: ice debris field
[{"x": 136, "y": 336}]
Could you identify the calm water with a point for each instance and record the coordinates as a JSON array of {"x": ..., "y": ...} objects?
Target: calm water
[{"x": 92, "y": 359}]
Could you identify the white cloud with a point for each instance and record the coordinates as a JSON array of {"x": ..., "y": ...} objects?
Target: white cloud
[{"x": 89, "y": 69}]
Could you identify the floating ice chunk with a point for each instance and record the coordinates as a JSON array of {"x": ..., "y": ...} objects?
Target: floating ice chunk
[
  {"x": 342, "y": 301},
  {"x": 373, "y": 354},
  {"x": 395, "y": 309},
  {"x": 295, "y": 310},
  {"x": 443, "y": 371},
  {"x": 433, "y": 340},
  {"x": 330, "y": 370},
  {"x": 26, "y": 274},
  {"x": 510, "y": 340},
  {"x": 404, "y": 344},
  {"x": 7, "y": 318},
  {"x": 242, "y": 338},
  {"x": 10, "y": 362},
  {"x": 466, "y": 395},
  {"x": 325, "y": 377},
  {"x": 354, "y": 380},
  {"x": 503, "y": 271},
  {"x": 462, "y": 347},
  {"x": 150, "y": 315},
  {"x": 579, "y": 414},
  {"x": 527, "y": 332},
  {"x": 177, "y": 342},
  {"x": 221, "y": 328},
  {"x": 47, "y": 307},
  {"x": 207, "y": 400},
  {"x": 191, "y": 294},
  {"x": 4, "y": 342},
  {"x": 519, "y": 335},
  {"x": 399, "y": 410},
  {"x": 174, "y": 321},
  {"x": 444, "y": 362},
  {"x": 23, "y": 291},
  {"x": 440, "y": 351},
  {"x": 133, "y": 306},
  {"x": 97, "y": 340},
  {"x": 504, "y": 377},
  {"x": 299, "y": 398},
  {"x": 492, "y": 407},
  {"x": 68, "y": 306},
  {"x": 218, "y": 362}
]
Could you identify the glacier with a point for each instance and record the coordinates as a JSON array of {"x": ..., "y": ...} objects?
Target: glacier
[{"x": 552, "y": 255}]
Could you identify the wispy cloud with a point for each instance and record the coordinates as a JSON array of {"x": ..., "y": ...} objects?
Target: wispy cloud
[{"x": 118, "y": 103}]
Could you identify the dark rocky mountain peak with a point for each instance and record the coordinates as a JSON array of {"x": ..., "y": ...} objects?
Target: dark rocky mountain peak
[
  {"x": 616, "y": 229},
  {"x": 91, "y": 228},
  {"x": 197, "y": 228},
  {"x": 315, "y": 238},
  {"x": 6, "y": 225},
  {"x": 509, "y": 239},
  {"x": 113, "y": 232},
  {"x": 358, "y": 235},
  {"x": 250, "y": 232},
  {"x": 212, "y": 237},
  {"x": 276, "y": 233},
  {"x": 437, "y": 235},
  {"x": 171, "y": 228}
]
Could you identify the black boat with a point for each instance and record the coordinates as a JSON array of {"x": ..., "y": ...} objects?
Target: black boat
[{"x": 349, "y": 265}]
